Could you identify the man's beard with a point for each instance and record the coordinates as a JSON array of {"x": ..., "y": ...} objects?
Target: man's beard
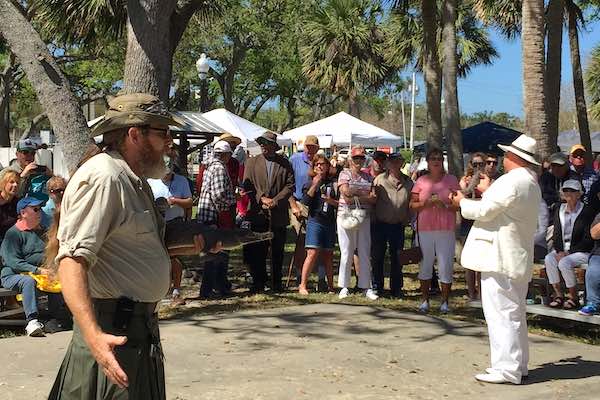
[{"x": 152, "y": 163}]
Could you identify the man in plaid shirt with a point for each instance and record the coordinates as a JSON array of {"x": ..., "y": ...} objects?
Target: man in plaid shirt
[{"x": 216, "y": 207}]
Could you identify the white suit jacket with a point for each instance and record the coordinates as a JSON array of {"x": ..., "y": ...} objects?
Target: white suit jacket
[{"x": 501, "y": 239}]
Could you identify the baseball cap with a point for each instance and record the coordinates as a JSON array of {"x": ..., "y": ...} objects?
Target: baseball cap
[
  {"x": 577, "y": 147},
  {"x": 396, "y": 156},
  {"x": 28, "y": 202},
  {"x": 222, "y": 147},
  {"x": 311, "y": 140},
  {"x": 27, "y": 145},
  {"x": 558, "y": 159},
  {"x": 573, "y": 184}
]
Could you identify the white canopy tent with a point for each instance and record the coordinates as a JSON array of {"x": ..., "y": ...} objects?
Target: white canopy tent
[
  {"x": 344, "y": 130},
  {"x": 246, "y": 130}
]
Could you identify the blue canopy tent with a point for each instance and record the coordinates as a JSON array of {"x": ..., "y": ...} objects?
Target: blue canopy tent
[{"x": 484, "y": 137}]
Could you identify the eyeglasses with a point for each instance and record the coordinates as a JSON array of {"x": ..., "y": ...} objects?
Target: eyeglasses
[
  {"x": 568, "y": 190},
  {"x": 163, "y": 131},
  {"x": 54, "y": 191},
  {"x": 490, "y": 162}
]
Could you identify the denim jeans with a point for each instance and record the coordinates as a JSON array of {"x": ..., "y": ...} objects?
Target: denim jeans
[
  {"x": 384, "y": 236},
  {"x": 592, "y": 281},
  {"x": 215, "y": 275},
  {"x": 25, "y": 285}
]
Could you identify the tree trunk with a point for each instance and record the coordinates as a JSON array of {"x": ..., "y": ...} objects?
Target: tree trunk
[
  {"x": 291, "y": 113},
  {"x": 580, "y": 105},
  {"x": 52, "y": 88},
  {"x": 450, "y": 70},
  {"x": 554, "y": 28},
  {"x": 5, "y": 86},
  {"x": 534, "y": 102},
  {"x": 148, "y": 62},
  {"x": 432, "y": 73},
  {"x": 354, "y": 106}
]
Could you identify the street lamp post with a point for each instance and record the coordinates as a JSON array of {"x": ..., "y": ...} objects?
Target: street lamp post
[{"x": 203, "y": 67}]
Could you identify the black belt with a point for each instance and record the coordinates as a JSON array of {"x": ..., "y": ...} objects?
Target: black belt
[{"x": 109, "y": 306}]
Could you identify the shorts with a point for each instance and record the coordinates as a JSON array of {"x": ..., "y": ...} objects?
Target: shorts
[{"x": 319, "y": 236}]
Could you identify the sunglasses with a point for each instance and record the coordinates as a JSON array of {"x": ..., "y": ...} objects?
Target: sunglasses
[
  {"x": 490, "y": 162},
  {"x": 567, "y": 190},
  {"x": 436, "y": 159},
  {"x": 478, "y": 164},
  {"x": 54, "y": 191},
  {"x": 580, "y": 156},
  {"x": 358, "y": 157}
]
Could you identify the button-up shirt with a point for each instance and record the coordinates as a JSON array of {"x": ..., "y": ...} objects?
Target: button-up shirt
[
  {"x": 393, "y": 196},
  {"x": 300, "y": 165},
  {"x": 109, "y": 219},
  {"x": 217, "y": 193}
]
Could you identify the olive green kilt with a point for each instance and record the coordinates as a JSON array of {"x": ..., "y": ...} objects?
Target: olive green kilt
[{"x": 81, "y": 378}]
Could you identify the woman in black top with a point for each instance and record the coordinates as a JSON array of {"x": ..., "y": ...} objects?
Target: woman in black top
[
  {"x": 320, "y": 195},
  {"x": 9, "y": 184}
]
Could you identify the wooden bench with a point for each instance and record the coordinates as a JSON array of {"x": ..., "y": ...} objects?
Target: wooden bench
[{"x": 5, "y": 312}]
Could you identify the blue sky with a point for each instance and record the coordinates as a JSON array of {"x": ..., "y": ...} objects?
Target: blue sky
[{"x": 498, "y": 87}]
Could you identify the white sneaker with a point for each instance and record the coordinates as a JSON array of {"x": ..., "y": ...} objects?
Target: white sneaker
[
  {"x": 370, "y": 294},
  {"x": 444, "y": 309},
  {"x": 35, "y": 328},
  {"x": 343, "y": 293},
  {"x": 424, "y": 307}
]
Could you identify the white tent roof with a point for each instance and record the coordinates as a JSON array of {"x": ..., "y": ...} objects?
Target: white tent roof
[
  {"x": 344, "y": 130},
  {"x": 242, "y": 128}
]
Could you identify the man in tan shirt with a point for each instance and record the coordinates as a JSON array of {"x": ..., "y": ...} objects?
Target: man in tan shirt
[
  {"x": 112, "y": 261},
  {"x": 391, "y": 216}
]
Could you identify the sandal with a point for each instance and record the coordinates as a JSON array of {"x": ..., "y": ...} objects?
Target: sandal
[
  {"x": 571, "y": 304},
  {"x": 557, "y": 302}
]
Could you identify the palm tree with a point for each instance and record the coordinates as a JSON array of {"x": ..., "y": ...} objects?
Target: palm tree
[
  {"x": 534, "y": 101},
  {"x": 432, "y": 72},
  {"x": 450, "y": 75},
  {"x": 554, "y": 28},
  {"x": 592, "y": 80},
  {"x": 574, "y": 19},
  {"x": 342, "y": 50}
]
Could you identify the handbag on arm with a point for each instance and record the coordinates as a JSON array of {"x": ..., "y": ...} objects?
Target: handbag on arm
[{"x": 412, "y": 255}]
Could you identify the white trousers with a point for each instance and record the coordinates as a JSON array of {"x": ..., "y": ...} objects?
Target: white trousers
[
  {"x": 504, "y": 301},
  {"x": 349, "y": 240},
  {"x": 565, "y": 265},
  {"x": 440, "y": 245}
]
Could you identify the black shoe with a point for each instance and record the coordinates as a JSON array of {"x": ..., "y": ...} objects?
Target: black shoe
[
  {"x": 54, "y": 325},
  {"x": 322, "y": 286}
]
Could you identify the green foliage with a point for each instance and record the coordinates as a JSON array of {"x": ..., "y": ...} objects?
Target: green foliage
[
  {"x": 342, "y": 49},
  {"x": 592, "y": 80},
  {"x": 405, "y": 39},
  {"x": 501, "y": 118}
]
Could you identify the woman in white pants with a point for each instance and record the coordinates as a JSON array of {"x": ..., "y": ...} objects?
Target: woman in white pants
[
  {"x": 436, "y": 223},
  {"x": 353, "y": 184},
  {"x": 572, "y": 244}
]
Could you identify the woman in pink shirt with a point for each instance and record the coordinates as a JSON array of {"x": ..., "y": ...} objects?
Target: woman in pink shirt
[{"x": 436, "y": 223}]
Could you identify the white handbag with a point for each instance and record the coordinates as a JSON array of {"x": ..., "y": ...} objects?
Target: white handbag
[{"x": 352, "y": 218}]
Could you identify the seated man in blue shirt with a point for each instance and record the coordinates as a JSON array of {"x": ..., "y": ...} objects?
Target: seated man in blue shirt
[{"x": 22, "y": 250}]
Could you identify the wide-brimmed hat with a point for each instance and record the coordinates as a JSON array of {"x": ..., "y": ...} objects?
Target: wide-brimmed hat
[
  {"x": 524, "y": 146},
  {"x": 134, "y": 109},
  {"x": 233, "y": 141},
  {"x": 268, "y": 137}
]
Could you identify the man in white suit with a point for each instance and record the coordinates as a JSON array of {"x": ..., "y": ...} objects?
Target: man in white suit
[{"x": 500, "y": 246}]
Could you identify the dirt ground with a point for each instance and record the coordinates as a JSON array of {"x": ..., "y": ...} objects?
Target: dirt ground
[{"x": 324, "y": 351}]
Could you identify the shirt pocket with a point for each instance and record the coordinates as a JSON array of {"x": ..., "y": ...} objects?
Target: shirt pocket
[
  {"x": 485, "y": 236},
  {"x": 144, "y": 222}
]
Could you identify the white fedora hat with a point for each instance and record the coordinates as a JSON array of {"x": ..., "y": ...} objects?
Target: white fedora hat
[{"x": 524, "y": 147}]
